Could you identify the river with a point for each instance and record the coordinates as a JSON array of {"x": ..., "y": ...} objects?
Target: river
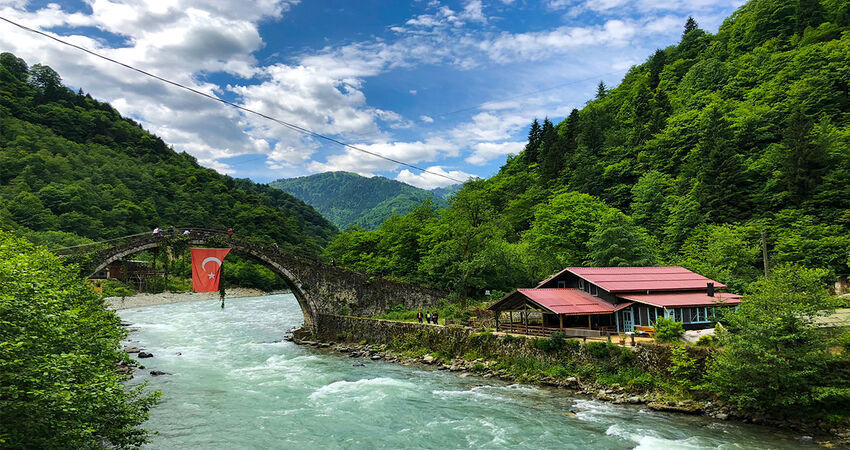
[{"x": 234, "y": 384}]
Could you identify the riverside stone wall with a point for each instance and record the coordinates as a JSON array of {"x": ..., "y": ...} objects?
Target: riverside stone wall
[{"x": 458, "y": 340}]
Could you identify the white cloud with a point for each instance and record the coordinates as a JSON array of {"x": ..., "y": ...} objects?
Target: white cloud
[
  {"x": 413, "y": 92},
  {"x": 488, "y": 151},
  {"x": 426, "y": 119},
  {"x": 411, "y": 152},
  {"x": 433, "y": 180}
]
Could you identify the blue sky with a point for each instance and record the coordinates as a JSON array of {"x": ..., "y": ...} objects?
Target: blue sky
[{"x": 447, "y": 85}]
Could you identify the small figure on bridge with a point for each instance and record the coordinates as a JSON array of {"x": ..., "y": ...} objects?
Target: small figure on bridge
[
  {"x": 186, "y": 232},
  {"x": 434, "y": 318},
  {"x": 419, "y": 316},
  {"x": 171, "y": 231},
  {"x": 276, "y": 248},
  {"x": 427, "y": 317},
  {"x": 157, "y": 231},
  {"x": 230, "y": 232}
]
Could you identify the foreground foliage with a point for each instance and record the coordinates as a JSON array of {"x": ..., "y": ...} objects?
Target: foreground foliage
[
  {"x": 58, "y": 353},
  {"x": 775, "y": 356}
]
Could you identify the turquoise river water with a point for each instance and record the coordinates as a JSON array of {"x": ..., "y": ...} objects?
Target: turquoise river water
[{"x": 234, "y": 384}]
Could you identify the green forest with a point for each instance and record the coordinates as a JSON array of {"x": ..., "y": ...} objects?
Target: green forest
[
  {"x": 348, "y": 199},
  {"x": 702, "y": 149}
]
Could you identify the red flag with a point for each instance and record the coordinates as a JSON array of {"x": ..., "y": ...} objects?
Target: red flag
[{"x": 206, "y": 268}]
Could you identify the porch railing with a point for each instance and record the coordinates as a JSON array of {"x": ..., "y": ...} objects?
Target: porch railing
[{"x": 539, "y": 330}]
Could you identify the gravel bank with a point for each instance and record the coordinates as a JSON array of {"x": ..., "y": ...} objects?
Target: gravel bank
[{"x": 141, "y": 300}]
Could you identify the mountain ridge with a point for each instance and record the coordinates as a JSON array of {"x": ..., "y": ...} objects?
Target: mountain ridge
[{"x": 348, "y": 199}]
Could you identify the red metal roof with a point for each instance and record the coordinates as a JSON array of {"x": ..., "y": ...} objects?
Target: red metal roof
[
  {"x": 570, "y": 301},
  {"x": 641, "y": 279},
  {"x": 684, "y": 299}
]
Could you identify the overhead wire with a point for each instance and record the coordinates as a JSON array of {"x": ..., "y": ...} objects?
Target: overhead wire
[{"x": 289, "y": 125}]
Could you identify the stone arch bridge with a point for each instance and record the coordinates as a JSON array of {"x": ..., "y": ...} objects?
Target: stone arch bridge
[{"x": 319, "y": 288}]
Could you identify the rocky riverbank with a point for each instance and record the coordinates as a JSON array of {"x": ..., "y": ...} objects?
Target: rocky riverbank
[
  {"x": 144, "y": 299},
  {"x": 826, "y": 434}
]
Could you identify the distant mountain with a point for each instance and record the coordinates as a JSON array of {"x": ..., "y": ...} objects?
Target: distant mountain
[{"x": 348, "y": 199}]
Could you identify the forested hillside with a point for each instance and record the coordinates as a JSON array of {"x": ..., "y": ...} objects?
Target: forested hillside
[
  {"x": 708, "y": 144},
  {"x": 348, "y": 199},
  {"x": 72, "y": 170}
]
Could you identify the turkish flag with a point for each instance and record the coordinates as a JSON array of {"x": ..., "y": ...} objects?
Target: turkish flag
[{"x": 206, "y": 268}]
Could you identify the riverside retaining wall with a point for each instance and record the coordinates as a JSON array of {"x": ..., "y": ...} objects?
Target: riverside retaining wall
[{"x": 458, "y": 341}]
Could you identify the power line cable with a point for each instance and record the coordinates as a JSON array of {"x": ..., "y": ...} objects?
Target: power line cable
[{"x": 291, "y": 126}]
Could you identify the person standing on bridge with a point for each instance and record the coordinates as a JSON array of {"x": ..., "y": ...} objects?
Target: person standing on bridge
[
  {"x": 171, "y": 231},
  {"x": 187, "y": 232},
  {"x": 427, "y": 317},
  {"x": 419, "y": 316},
  {"x": 434, "y": 318},
  {"x": 276, "y": 248},
  {"x": 157, "y": 231},
  {"x": 230, "y": 233}
]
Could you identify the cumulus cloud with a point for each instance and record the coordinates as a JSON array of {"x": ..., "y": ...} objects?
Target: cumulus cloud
[
  {"x": 488, "y": 151},
  {"x": 426, "y": 119},
  {"x": 430, "y": 180},
  {"x": 411, "y": 152}
]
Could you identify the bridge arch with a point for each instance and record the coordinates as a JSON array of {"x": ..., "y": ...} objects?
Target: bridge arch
[
  {"x": 318, "y": 287},
  {"x": 267, "y": 259}
]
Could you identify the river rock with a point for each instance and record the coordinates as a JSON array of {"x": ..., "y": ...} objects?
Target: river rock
[
  {"x": 131, "y": 349},
  {"x": 376, "y": 357},
  {"x": 145, "y": 355},
  {"x": 157, "y": 373},
  {"x": 428, "y": 359}
]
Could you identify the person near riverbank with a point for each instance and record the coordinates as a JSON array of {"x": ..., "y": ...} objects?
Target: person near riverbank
[
  {"x": 276, "y": 248},
  {"x": 427, "y": 317},
  {"x": 419, "y": 316},
  {"x": 434, "y": 317}
]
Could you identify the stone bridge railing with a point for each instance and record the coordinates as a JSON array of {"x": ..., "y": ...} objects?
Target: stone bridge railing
[{"x": 320, "y": 288}]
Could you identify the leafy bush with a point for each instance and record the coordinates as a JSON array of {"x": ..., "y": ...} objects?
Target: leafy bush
[
  {"x": 775, "y": 356},
  {"x": 706, "y": 340},
  {"x": 683, "y": 369},
  {"x": 668, "y": 330},
  {"x": 601, "y": 350},
  {"x": 115, "y": 288},
  {"x": 57, "y": 359}
]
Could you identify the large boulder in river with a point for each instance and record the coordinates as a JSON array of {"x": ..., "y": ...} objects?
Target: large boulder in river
[{"x": 145, "y": 355}]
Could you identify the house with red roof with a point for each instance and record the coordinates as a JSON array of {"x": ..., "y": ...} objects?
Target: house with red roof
[{"x": 588, "y": 301}]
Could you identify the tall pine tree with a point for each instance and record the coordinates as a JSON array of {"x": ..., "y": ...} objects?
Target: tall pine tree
[{"x": 535, "y": 138}]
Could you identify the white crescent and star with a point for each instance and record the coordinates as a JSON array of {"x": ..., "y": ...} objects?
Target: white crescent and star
[{"x": 206, "y": 260}]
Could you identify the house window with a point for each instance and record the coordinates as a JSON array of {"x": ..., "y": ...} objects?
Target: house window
[
  {"x": 593, "y": 290},
  {"x": 581, "y": 284},
  {"x": 562, "y": 284}
]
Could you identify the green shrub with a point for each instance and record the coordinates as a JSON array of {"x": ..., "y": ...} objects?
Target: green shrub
[
  {"x": 115, "y": 288},
  {"x": 683, "y": 369},
  {"x": 668, "y": 330},
  {"x": 601, "y": 350},
  {"x": 706, "y": 340}
]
